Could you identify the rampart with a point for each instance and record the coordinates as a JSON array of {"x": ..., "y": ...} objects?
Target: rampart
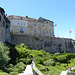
[{"x": 50, "y": 44}]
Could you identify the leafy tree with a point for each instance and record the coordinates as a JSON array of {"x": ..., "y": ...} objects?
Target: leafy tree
[{"x": 4, "y": 57}]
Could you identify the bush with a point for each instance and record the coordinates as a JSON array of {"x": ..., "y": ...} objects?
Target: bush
[
  {"x": 73, "y": 71},
  {"x": 4, "y": 51},
  {"x": 49, "y": 62},
  {"x": 3, "y": 73},
  {"x": 64, "y": 58},
  {"x": 61, "y": 58},
  {"x": 55, "y": 55},
  {"x": 13, "y": 73},
  {"x": 17, "y": 68},
  {"x": 43, "y": 68},
  {"x": 25, "y": 61},
  {"x": 70, "y": 55},
  {"x": 39, "y": 61}
]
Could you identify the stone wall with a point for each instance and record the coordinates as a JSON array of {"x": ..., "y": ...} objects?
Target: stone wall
[
  {"x": 2, "y": 28},
  {"x": 50, "y": 44}
]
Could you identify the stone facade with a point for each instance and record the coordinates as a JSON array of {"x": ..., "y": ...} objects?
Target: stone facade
[
  {"x": 4, "y": 23},
  {"x": 50, "y": 44},
  {"x": 31, "y": 26}
]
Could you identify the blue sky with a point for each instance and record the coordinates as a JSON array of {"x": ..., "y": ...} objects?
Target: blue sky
[{"x": 61, "y": 12}]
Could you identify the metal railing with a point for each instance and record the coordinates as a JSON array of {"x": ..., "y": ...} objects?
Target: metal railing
[
  {"x": 35, "y": 70},
  {"x": 71, "y": 73}
]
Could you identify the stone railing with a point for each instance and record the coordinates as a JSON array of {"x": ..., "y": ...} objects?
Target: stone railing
[{"x": 35, "y": 69}]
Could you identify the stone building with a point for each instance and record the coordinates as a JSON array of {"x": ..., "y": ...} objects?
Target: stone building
[
  {"x": 36, "y": 34},
  {"x": 4, "y": 26},
  {"x": 31, "y": 26}
]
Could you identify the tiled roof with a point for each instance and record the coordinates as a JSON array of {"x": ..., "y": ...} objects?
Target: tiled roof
[{"x": 31, "y": 19}]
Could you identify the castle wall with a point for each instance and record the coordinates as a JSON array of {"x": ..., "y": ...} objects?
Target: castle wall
[
  {"x": 2, "y": 28},
  {"x": 50, "y": 44}
]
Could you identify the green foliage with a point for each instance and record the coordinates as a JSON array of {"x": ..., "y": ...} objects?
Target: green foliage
[
  {"x": 3, "y": 73},
  {"x": 61, "y": 58},
  {"x": 49, "y": 62},
  {"x": 17, "y": 68},
  {"x": 55, "y": 55},
  {"x": 39, "y": 61},
  {"x": 13, "y": 73},
  {"x": 4, "y": 51},
  {"x": 43, "y": 68},
  {"x": 73, "y": 71},
  {"x": 13, "y": 53},
  {"x": 22, "y": 51},
  {"x": 64, "y": 57}
]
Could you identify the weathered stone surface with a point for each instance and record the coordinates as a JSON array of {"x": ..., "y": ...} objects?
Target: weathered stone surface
[{"x": 50, "y": 44}]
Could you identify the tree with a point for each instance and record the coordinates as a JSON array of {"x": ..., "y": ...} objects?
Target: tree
[{"x": 4, "y": 57}]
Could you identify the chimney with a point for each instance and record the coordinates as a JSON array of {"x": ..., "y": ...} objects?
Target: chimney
[
  {"x": 26, "y": 16},
  {"x": 6, "y": 15}
]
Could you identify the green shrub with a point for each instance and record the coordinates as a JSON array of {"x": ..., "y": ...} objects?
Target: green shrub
[
  {"x": 55, "y": 55},
  {"x": 39, "y": 61},
  {"x": 25, "y": 61},
  {"x": 43, "y": 68},
  {"x": 17, "y": 68},
  {"x": 4, "y": 51},
  {"x": 3, "y": 73},
  {"x": 70, "y": 55},
  {"x": 13, "y": 73},
  {"x": 61, "y": 58},
  {"x": 73, "y": 71},
  {"x": 49, "y": 62},
  {"x": 65, "y": 57}
]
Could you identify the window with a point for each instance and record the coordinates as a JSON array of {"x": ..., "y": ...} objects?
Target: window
[
  {"x": 21, "y": 18},
  {"x": 34, "y": 23},
  {"x": 47, "y": 31},
  {"x": 10, "y": 29},
  {"x": 10, "y": 18},
  {"x": 3, "y": 24},
  {"x": 21, "y": 30},
  {"x": 18, "y": 29},
  {"x": 7, "y": 26},
  {"x": 52, "y": 34},
  {"x": 42, "y": 25},
  {"x": 0, "y": 17},
  {"x": 24, "y": 29},
  {"x": 34, "y": 30},
  {"x": 43, "y": 31},
  {"x": 24, "y": 23},
  {"x": 18, "y": 23}
]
